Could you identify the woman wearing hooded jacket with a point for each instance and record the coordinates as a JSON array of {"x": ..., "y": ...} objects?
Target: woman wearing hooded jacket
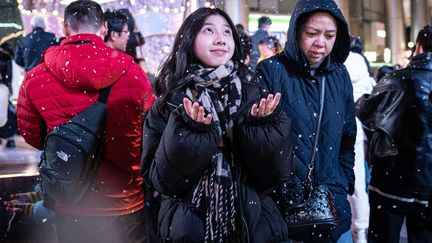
[{"x": 317, "y": 46}]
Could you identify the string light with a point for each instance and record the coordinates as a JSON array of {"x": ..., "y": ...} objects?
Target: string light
[{"x": 143, "y": 9}]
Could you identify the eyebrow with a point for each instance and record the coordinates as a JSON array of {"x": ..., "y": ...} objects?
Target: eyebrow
[
  {"x": 207, "y": 23},
  {"x": 315, "y": 29}
]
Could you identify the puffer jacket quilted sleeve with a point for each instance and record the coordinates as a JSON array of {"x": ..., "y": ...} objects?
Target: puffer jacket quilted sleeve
[
  {"x": 183, "y": 154},
  {"x": 264, "y": 143},
  {"x": 265, "y": 147},
  {"x": 30, "y": 123}
]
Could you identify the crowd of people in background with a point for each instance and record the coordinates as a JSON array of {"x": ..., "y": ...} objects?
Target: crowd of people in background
[{"x": 196, "y": 155}]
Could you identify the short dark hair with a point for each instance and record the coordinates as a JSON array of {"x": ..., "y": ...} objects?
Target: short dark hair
[
  {"x": 130, "y": 18},
  {"x": 84, "y": 13},
  {"x": 264, "y": 20},
  {"x": 115, "y": 21},
  {"x": 424, "y": 38},
  {"x": 356, "y": 45},
  {"x": 383, "y": 70}
]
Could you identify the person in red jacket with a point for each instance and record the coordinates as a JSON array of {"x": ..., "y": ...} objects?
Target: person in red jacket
[{"x": 69, "y": 79}]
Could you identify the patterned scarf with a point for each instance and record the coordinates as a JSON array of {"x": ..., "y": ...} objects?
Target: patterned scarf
[{"x": 218, "y": 90}]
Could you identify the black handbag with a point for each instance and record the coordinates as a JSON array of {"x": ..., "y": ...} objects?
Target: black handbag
[{"x": 306, "y": 206}]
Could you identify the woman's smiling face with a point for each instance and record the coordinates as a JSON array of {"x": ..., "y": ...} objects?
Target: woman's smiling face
[{"x": 214, "y": 44}]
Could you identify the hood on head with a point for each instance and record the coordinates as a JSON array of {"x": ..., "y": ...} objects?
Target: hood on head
[
  {"x": 342, "y": 45},
  {"x": 84, "y": 62}
]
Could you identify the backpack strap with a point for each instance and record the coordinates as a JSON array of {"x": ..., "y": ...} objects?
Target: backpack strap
[{"x": 103, "y": 96}]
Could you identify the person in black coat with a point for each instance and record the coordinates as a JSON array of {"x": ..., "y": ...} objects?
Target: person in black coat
[
  {"x": 215, "y": 144},
  {"x": 399, "y": 115},
  {"x": 317, "y": 46},
  {"x": 264, "y": 23},
  {"x": 6, "y": 56},
  {"x": 30, "y": 48},
  {"x": 135, "y": 37}
]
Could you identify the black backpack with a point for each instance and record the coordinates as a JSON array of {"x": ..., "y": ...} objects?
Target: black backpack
[{"x": 70, "y": 156}]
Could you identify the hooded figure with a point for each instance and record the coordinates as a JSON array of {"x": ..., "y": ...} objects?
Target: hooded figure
[{"x": 318, "y": 44}]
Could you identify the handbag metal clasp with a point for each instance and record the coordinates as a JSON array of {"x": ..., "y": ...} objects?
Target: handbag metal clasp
[{"x": 311, "y": 166}]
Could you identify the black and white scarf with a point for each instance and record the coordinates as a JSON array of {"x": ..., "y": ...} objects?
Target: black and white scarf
[{"x": 218, "y": 90}]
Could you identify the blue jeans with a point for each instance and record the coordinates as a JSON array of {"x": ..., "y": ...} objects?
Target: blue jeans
[{"x": 346, "y": 238}]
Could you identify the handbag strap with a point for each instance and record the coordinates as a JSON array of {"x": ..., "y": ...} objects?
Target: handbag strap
[{"x": 311, "y": 165}]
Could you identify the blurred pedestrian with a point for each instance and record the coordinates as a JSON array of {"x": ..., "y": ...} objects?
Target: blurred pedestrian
[
  {"x": 312, "y": 64},
  {"x": 383, "y": 70},
  {"x": 269, "y": 47},
  {"x": 31, "y": 47},
  {"x": 6, "y": 57},
  {"x": 359, "y": 201},
  {"x": 117, "y": 33},
  {"x": 70, "y": 79},
  {"x": 356, "y": 46},
  {"x": 262, "y": 33},
  {"x": 399, "y": 113},
  {"x": 136, "y": 39}
]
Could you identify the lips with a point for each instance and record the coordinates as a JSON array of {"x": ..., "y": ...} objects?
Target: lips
[
  {"x": 218, "y": 52},
  {"x": 316, "y": 54}
]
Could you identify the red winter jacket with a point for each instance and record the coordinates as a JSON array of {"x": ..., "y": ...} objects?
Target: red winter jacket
[{"x": 66, "y": 82}]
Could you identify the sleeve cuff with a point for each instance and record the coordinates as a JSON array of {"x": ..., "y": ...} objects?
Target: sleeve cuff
[
  {"x": 257, "y": 121},
  {"x": 200, "y": 127}
]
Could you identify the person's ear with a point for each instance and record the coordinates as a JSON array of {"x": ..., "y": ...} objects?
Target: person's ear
[
  {"x": 419, "y": 49},
  {"x": 103, "y": 29},
  {"x": 66, "y": 29},
  {"x": 112, "y": 35}
]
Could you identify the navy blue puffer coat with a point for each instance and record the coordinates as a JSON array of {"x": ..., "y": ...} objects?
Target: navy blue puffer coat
[{"x": 289, "y": 73}]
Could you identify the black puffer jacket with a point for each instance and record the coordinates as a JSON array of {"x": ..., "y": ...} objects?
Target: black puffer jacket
[
  {"x": 399, "y": 115},
  {"x": 30, "y": 48},
  {"x": 289, "y": 73},
  {"x": 177, "y": 150}
]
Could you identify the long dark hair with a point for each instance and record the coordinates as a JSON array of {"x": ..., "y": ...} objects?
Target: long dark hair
[{"x": 174, "y": 70}]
